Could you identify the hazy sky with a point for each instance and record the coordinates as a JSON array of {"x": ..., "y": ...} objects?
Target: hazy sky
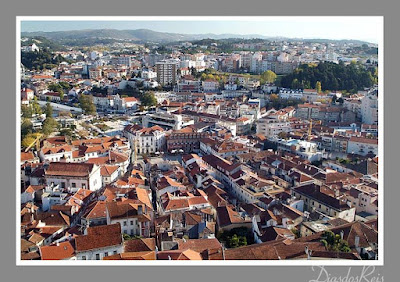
[{"x": 362, "y": 28}]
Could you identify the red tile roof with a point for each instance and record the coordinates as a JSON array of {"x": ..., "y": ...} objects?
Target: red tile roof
[
  {"x": 70, "y": 169},
  {"x": 364, "y": 140},
  {"x": 63, "y": 250},
  {"x": 108, "y": 170},
  {"x": 28, "y": 156},
  {"x": 99, "y": 237}
]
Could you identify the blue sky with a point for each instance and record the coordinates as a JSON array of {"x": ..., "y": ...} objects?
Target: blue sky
[{"x": 362, "y": 28}]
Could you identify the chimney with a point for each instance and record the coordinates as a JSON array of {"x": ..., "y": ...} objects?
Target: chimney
[
  {"x": 308, "y": 252},
  {"x": 357, "y": 241}
]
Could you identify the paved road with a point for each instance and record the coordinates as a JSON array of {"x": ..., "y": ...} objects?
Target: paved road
[{"x": 60, "y": 107}]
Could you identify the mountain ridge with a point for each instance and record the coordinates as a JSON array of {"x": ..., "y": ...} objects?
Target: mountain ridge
[{"x": 147, "y": 35}]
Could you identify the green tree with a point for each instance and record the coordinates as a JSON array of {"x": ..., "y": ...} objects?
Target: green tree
[
  {"x": 36, "y": 109},
  {"x": 148, "y": 99},
  {"x": 27, "y": 141},
  {"x": 234, "y": 241},
  {"x": 295, "y": 84},
  {"x": 87, "y": 105},
  {"x": 126, "y": 237},
  {"x": 66, "y": 132},
  {"x": 318, "y": 86},
  {"x": 49, "y": 126},
  {"x": 332, "y": 76},
  {"x": 268, "y": 76},
  {"x": 26, "y": 111},
  {"x": 48, "y": 110},
  {"x": 333, "y": 242},
  {"x": 26, "y": 127},
  {"x": 242, "y": 241},
  {"x": 56, "y": 87}
]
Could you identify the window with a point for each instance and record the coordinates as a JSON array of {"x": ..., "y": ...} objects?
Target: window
[
  {"x": 83, "y": 186},
  {"x": 106, "y": 254},
  {"x": 125, "y": 223},
  {"x": 97, "y": 256},
  {"x": 115, "y": 252},
  {"x": 83, "y": 257},
  {"x": 73, "y": 185},
  {"x": 62, "y": 184},
  {"x": 131, "y": 222}
]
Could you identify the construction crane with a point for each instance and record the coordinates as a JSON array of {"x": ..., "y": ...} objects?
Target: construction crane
[{"x": 35, "y": 142}]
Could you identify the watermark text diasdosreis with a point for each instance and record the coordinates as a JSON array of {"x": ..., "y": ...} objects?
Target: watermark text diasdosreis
[{"x": 367, "y": 274}]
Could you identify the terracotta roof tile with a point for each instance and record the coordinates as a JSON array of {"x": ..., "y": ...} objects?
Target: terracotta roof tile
[
  {"x": 99, "y": 237},
  {"x": 63, "y": 250}
]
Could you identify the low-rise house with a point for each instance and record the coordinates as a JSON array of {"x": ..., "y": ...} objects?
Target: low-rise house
[
  {"x": 56, "y": 154},
  {"x": 272, "y": 127},
  {"x": 322, "y": 200},
  {"x": 74, "y": 175},
  {"x": 167, "y": 184},
  {"x": 29, "y": 250},
  {"x": 186, "y": 139},
  {"x": 178, "y": 255},
  {"x": 59, "y": 251},
  {"x": 228, "y": 219},
  {"x": 122, "y": 160},
  {"x": 32, "y": 193},
  {"x": 361, "y": 238},
  {"x": 99, "y": 242},
  {"x": 27, "y": 94},
  {"x": 304, "y": 149},
  {"x": 205, "y": 247},
  {"x": 95, "y": 214},
  {"x": 180, "y": 204},
  {"x": 276, "y": 222},
  {"x": 362, "y": 146},
  {"x": 364, "y": 198},
  {"x": 224, "y": 149},
  {"x": 137, "y": 249},
  {"x": 132, "y": 215},
  {"x": 147, "y": 140},
  {"x": 29, "y": 157},
  {"x": 308, "y": 228},
  {"x": 109, "y": 173},
  {"x": 50, "y": 96},
  {"x": 287, "y": 250}
]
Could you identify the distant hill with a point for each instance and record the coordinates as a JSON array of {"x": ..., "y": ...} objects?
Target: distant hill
[
  {"x": 43, "y": 42},
  {"x": 146, "y": 35}
]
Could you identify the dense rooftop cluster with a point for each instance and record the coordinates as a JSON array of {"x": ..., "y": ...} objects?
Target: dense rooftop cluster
[{"x": 181, "y": 156}]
